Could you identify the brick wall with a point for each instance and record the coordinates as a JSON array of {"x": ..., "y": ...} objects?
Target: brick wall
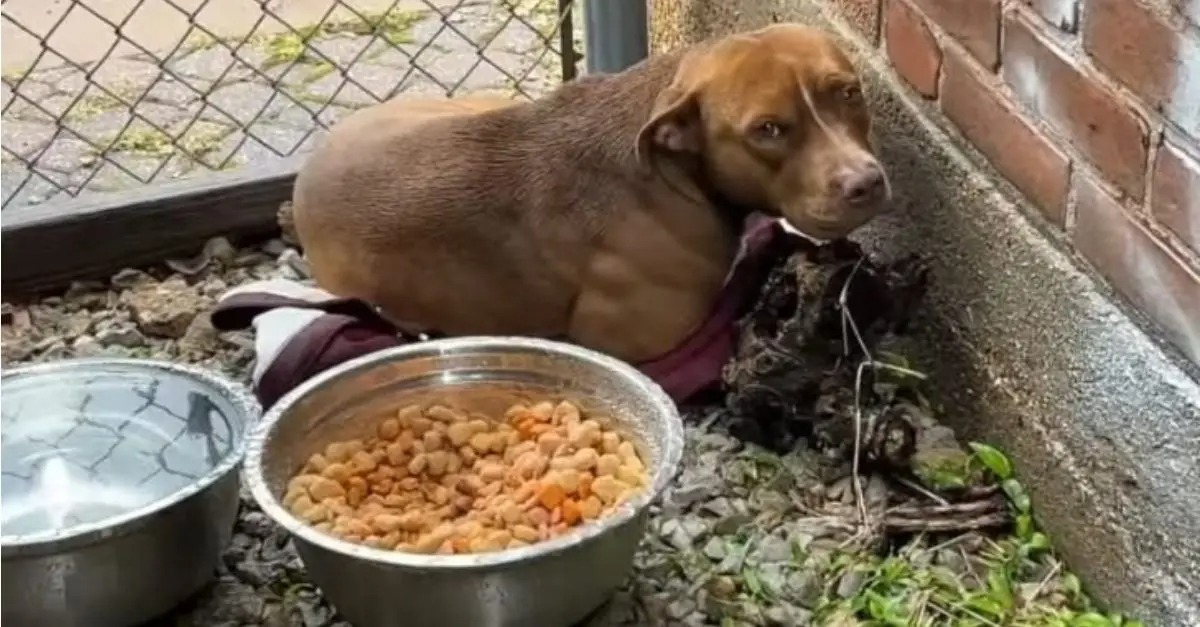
[{"x": 1091, "y": 108}]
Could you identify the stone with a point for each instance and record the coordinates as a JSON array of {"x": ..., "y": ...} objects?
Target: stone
[
  {"x": 294, "y": 265},
  {"x": 165, "y": 309},
  {"x": 680, "y": 608},
  {"x": 788, "y": 616},
  {"x": 850, "y": 583},
  {"x": 130, "y": 277},
  {"x": 732, "y": 523},
  {"x": 774, "y": 549},
  {"x": 87, "y": 346},
  {"x": 719, "y": 506},
  {"x": 805, "y": 588},
  {"x": 715, "y": 549},
  {"x": 121, "y": 334},
  {"x": 200, "y": 338}
]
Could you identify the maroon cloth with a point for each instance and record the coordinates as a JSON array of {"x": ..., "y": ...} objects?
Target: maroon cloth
[
  {"x": 352, "y": 328},
  {"x": 696, "y": 363}
]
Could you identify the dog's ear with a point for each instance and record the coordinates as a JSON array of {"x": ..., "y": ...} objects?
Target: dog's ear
[{"x": 674, "y": 124}]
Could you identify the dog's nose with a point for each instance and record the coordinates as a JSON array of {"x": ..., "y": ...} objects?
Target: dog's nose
[{"x": 862, "y": 185}]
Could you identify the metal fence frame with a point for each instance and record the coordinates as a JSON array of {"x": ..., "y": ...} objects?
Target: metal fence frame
[{"x": 95, "y": 235}]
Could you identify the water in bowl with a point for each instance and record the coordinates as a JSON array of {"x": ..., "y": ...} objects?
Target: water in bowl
[{"x": 81, "y": 447}]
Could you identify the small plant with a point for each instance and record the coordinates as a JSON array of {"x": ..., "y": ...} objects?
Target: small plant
[
  {"x": 1014, "y": 580},
  {"x": 90, "y": 106},
  {"x": 143, "y": 141},
  {"x": 151, "y": 142},
  {"x": 394, "y": 27},
  {"x": 199, "y": 41}
]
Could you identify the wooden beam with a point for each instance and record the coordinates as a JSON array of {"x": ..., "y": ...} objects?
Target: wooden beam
[{"x": 45, "y": 247}]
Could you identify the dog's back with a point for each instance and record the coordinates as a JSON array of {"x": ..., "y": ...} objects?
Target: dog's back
[{"x": 490, "y": 203}]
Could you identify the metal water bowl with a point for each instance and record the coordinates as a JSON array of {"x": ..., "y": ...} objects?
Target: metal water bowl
[{"x": 119, "y": 489}]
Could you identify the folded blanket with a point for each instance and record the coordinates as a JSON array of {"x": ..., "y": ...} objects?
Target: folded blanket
[{"x": 301, "y": 331}]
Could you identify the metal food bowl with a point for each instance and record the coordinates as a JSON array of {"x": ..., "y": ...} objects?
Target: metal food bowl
[
  {"x": 550, "y": 584},
  {"x": 119, "y": 488}
]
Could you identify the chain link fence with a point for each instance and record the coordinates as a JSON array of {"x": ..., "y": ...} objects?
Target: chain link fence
[{"x": 102, "y": 95}]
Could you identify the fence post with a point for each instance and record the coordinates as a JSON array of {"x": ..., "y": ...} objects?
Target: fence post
[{"x": 615, "y": 34}]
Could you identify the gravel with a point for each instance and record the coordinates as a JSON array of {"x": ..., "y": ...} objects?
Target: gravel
[{"x": 745, "y": 535}]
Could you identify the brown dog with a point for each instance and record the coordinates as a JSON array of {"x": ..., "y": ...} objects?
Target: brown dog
[{"x": 606, "y": 213}]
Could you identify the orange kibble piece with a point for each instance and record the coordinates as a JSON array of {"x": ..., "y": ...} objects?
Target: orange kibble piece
[
  {"x": 389, "y": 429},
  {"x": 551, "y": 495},
  {"x": 525, "y": 429},
  {"x": 591, "y": 507},
  {"x": 571, "y": 513}
]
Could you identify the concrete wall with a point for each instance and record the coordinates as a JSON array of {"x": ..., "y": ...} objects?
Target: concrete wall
[{"x": 1042, "y": 152}]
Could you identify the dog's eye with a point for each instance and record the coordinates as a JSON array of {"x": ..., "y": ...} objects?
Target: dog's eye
[
  {"x": 851, "y": 93},
  {"x": 770, "y": 130}
]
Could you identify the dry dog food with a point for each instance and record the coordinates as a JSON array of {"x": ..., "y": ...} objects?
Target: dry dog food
[{"x": 437, "y": 480}]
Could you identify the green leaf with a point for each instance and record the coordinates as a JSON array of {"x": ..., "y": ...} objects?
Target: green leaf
[
  {"x": 986, "y": 605},
  {"x": 876, "y": 605},
  {"x": 1000, "y": 587},
  {"x": 753, "y": 583},
  {"x": 799, "y": 553},
  {"x": 1091, "y": 619},
  {"x": 1038, "y": 541},
  {"x": 1024, "y": 526},
  {"x": 1017, "y": 495},
  {"x": 1071, "y": 585},
  {"x": 993, "y": 459}
]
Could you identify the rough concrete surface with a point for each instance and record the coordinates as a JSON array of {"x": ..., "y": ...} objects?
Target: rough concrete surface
[{"x": 1030, "y": 350}]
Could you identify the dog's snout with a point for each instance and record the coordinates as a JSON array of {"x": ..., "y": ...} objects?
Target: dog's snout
[{"x": 862, "y": 185}]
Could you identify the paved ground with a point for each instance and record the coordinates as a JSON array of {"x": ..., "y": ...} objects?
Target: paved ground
[{"x": 172, "y": 100}]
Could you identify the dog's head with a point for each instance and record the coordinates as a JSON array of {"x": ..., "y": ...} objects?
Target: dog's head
[{"x": 777, "y": 122}]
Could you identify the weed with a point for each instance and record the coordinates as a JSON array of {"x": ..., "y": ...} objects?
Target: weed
[
  {"x": 320, "y": 70},
  {"x": 1017, "y": 580},
  {"x": 395, "y": 27},
  {"x": 143, "y": 141},
  {"x": 151, "y": 142},
  {"x": 93, "y": 105},
  {"x": 197, "y": 42}
]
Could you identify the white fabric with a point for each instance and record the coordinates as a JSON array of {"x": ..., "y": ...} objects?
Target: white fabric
[
  {"x": 282, "y": 287},
  {"x": 273, "y": 330}
]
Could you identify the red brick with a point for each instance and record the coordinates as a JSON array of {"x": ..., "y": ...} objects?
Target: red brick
[
  {"x": 863, "y": 15},
  {"x": 1176, "y": 200},
  {"x": 1063, "y": 14},
  {"x": 1138, "y": 266},
  {"x": 1094, "y": 119},
  {"x": 976, "y": 23},
  {"x": 1159, "y": 62},
  {"x": 912, "y": 48},
  {"x": 1015, "y": 148}
]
